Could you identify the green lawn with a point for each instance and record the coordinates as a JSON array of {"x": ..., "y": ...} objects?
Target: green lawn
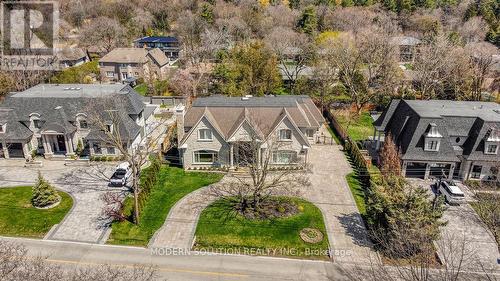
[
  {"x": 358, "y": 129},
  {"x": 173, "y": 184},
  {"x": 142, "y": 89},
  {"x": 357, "y": 192},
  {"x": 76, "y": 74},
  {"x": 19, "y": 218},
  {"x": 215, "y": 230}
]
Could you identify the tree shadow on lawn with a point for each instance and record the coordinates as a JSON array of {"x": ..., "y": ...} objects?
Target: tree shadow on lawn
[{"x": 355, "y": 228}]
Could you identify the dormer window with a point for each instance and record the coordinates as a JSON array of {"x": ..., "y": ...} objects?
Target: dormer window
[
  {"x": 2, "y": 128},
  {"x": 109, "y": 128},
  {"x": 492, "y": 141},
  {"x": 285, "y": 134},
  {"x": 205, "y": 135},
  {"x": 432, "y": 139},
  {"x": 37, "y": 123},
  {"x": 491, "y": 149},
  {"x": 83, "y": 124}
]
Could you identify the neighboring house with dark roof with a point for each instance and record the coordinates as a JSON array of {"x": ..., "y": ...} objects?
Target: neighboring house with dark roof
[
  {"x": 211, "y": 131},
  {"x": 68, "y": 57},
  {"x": 123, "y": 63},
  {"x": 407, "y": 47},
  {"x": 168, "y": 44},
  {"x": 53, "y": 119},
  {"x": 457, "y": 139}
]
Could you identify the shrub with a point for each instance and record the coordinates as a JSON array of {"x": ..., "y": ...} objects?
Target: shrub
[{"x": 43, "y": 193}]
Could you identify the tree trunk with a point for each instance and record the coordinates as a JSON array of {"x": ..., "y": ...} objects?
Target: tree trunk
[{"x": 135, "y": 188}]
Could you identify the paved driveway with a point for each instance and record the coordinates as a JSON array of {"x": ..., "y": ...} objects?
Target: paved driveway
[
  {"x": 329, "y": 192},
  {"x": 466, "y": 229},
  {"x": 83, "y": 223}
]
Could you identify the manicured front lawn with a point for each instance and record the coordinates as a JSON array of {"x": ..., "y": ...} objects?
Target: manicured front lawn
[
  {"x": 358, "y": 128},
  {"x": 241, "y": 235},
  {"x": 19, "y": 218},
  {"x": 142, "y": 89},
  {"x": 357, "y": 192},
  {"x": 173, "y": 184}
]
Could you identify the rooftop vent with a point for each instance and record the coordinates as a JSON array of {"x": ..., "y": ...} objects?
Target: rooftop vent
[
  {"x": 245, "y": 98},
  {"x": 58, "y": 107}
]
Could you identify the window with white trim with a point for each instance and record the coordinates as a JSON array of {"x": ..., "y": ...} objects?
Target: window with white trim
[
  {"x": 284, "y": 157},
  {"x": 285, "y": 134},
  {"x": 205, "y": 134},
  {"x": 205, "y": 156},
  {"x": 2, "y": 128},
  {"x": 432, "y": 144},
  {"x": 491, "y": 148},
  {"x": 110, "y": 73},
  {"x": 83, "y": 124}
]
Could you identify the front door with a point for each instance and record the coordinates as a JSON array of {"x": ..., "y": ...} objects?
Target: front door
[
  {"x": 61, "y": 144},
  {"x": 245, "y": 154}
]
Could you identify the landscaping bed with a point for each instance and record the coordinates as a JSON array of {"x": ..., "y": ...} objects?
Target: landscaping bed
[
  {"x": 172, "y": 185},
  {"x": 219, "y": 230},
  {"x": 18, "y": 217}
]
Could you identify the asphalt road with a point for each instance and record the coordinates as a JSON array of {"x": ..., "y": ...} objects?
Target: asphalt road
[{"x": 181, "y": 266}]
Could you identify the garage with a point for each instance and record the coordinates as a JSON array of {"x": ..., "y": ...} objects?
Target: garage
[
  {"x": 439, "y": 170},
  {"x": 415, "y": 170},
  {"x": 15, "y": 150}
]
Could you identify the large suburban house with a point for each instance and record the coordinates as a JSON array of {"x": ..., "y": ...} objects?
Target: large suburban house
[
  {"x": 52, "y": 120},
  {"x": 168, "y": 44},
  {"x": 123, "y": 63},
  {"x": 213, "y": 130},
  {"x": 454, "y": 139}
]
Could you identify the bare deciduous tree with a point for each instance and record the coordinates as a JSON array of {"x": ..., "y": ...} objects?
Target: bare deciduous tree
[
  {"x": 251, "y": 191},
  {"x": 481, "y": 56},
  {"x": 108, "y": 124},
  {"x": 103, "y": 33},
  {"x": 16, "y": 264}
]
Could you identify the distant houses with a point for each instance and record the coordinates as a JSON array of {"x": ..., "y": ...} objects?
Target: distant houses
[
  {"x": 168, "y": 44},
  {"x": 69, "y": 57},
  {"x": 121, "y": 64},
  {"x": 407, "y": 48}
]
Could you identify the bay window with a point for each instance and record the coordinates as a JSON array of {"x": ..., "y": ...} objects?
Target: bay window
[{"x": 284, "y": 157}]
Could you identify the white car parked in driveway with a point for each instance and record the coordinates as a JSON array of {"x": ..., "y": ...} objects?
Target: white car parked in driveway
[
  {"x": 452, "y": 193},
  {"x": 121, "y": 174}
]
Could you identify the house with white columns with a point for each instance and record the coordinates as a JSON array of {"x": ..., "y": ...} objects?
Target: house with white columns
[{"x": 55, "y": 121}]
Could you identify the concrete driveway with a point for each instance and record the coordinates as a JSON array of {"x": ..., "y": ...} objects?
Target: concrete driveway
[
  {"x": 466, "y": 230},
  {"x": 84, "y": 222}
]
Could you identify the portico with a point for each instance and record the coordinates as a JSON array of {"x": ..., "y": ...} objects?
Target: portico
[{"x": 57, "y": 144}]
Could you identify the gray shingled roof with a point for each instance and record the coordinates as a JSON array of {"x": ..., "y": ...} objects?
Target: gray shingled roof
[
  {"x": 227, "y": 113},
  {"x": 409, "y": 120},
  {"x": 58, "y": 106}
]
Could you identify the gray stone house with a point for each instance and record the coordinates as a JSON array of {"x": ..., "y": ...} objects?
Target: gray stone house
[
  {"x": 455, "y": 139},
  {"x": 212, "y": 130},
  {"x": 123, "y": 63},
  {"x": 51, "y": 120}
]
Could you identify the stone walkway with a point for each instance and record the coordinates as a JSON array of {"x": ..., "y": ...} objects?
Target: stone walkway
[
  {"x": 83, "y": 222},
  {"x": 329, "y": 192}
]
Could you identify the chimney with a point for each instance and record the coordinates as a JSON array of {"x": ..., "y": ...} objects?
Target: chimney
[{"x": 179, "y": 118}]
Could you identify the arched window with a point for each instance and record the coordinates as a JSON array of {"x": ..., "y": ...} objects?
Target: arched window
[
  {"x": 81, "y": 120},
  {"x": 35, "y": 120},
  {"x": 205, "y": 156}
]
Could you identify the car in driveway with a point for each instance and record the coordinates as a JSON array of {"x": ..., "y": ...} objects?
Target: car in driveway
[
  {"x": 451, "y": 192},
  {"x": 121, "y": 175}
]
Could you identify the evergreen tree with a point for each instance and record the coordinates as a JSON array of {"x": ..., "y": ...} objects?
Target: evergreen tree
[
  {"x": 43, "y": 193},
  {"x": 207, "y": 13},
  {"x": 390, "y": 5},
  {"x": 294, "y": 4},
  {"x": 308, "y": 22}
]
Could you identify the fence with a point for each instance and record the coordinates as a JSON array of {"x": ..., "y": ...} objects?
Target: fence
[{"x": 352, "y": 149}]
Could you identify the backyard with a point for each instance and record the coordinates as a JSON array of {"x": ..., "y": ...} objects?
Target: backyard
[
  {"x": 358, "y": 127},
  {"x": 172, "y": 185},
  {"x": 19, "y": 218},
  {"x": 270, "y": 236}
]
